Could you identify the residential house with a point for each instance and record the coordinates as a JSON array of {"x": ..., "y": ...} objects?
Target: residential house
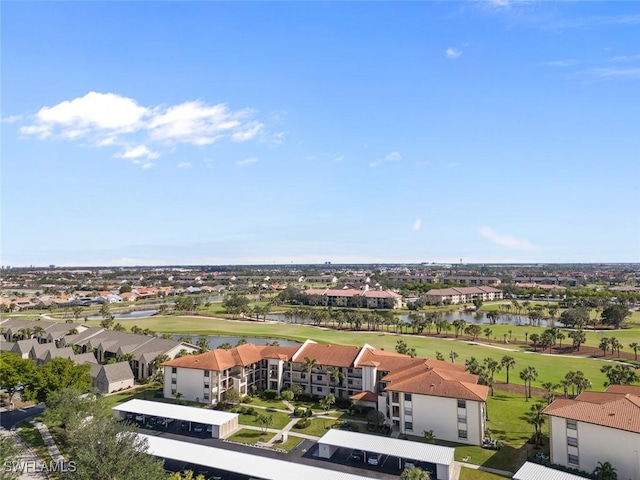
[
  {"x": 112, "y": 377},
  {"x": 414, "y": 394},
  {"x": 598, "y": 427},
  {"x": 23, "y": 347}
]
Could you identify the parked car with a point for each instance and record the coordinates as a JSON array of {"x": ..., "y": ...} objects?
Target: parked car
[
  {"x": 199, "y": 428},
  {"x": 357, "y": 455},
  {"x": 410, "y": 464},
  {"x": 184, "y": 425},
  {"x": 373, "y": 459}
]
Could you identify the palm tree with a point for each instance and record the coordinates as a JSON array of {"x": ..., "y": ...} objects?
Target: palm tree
[
  {"x": 459, "y": 325},
  {"x": 335, "y": 375},
  {"x": 536, "y": 418},
  {"x": 203, "y": 345},
  {"x": 529, "y": 374},
  {"x": 310, "y": 365},
  {"x": 157, "y": 366},
  {"x": 429, "y": 436},
  {"x": 487, "y": 333},
  {"x": 38, "y": 331},
  {"x": 507, "y": 363},
  {"x": 634, "y": 346},
  {"x": 605, "y": 471}
]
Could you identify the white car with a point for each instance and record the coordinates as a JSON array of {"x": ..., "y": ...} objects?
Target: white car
[{"x": 373, "y": 459}]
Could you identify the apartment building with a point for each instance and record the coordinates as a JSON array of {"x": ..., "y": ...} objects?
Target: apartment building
[
  {"x": 356, "y": 298},
  {"x": 455, "y": 295},
  {"x": 414, "y": 394},
  {"x": 598, "y": 427}
]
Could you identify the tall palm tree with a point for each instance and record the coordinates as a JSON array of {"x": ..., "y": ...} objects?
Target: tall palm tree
[
  {"x": 634, "y": 346},
  {"x": 529, "y": 374},
  {"x": 310, "y": 365},
  {"x": 507, "y": 363},
  {"x": 38, "y": 331},
  {"x": 536, "y": 418}
]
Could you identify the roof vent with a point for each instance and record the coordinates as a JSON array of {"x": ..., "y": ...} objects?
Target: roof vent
[{"x": 432, "y": 385}]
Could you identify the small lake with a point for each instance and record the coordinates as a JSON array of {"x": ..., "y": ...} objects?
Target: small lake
[
  {"x": 216, "y": 340},
  {"x": 127, "y": 316},
  {"x": 469, "y": 317}
]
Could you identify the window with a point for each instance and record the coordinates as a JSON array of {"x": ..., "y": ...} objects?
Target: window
[
  {"x": 174, "y": 381},
  {"x": 462, "y": 404},
  {"x": 206, "y": 396},
  {"x": 173, "y": 390},
  {"x": 572, "y": 441},
  {"x": 206, "y": 385},
  {"x": 573, "y": 460},
  {"x": 408, "y": 425},
  {"x": 408, "y": 411},
  {"x": 318, "y": 389},
  {"x": 174, "y": 370},
  {"x": 407, "y": 397},
  {"x": 572, "y": 425},
  {"x": 462, "y": 419},
  {"x": 462, "y": 434},
  {"x": 319, "y": 377},
  {"x": 206, "y": 373}
]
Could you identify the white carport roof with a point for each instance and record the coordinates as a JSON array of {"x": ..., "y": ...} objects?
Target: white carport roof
[
  {"x": 243, "y": 463},
  {"x": 177, "y": 412},
  {"x": 423, "y": 452},
  {"x": 533, "y": 471}
]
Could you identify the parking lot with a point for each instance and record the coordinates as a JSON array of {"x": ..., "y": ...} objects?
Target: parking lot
[
  {"x": 197, "y": 430},
  {"x": 385, "y": 464}
]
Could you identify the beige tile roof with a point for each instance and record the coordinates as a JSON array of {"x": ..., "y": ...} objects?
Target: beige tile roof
[{"x": 615, "y": 408}]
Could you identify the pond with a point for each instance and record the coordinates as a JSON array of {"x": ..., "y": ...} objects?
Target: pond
[
  {"x": 127, "y": 316},
  {"x": 469, "y": 317},
  {"x": 216, "y": 340}
]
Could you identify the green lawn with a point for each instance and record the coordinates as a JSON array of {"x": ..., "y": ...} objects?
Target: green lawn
[
  {"x": 259, "y": 402},
  {"x": 280, "y": 420},
  {"x": 31, "y": 436},
  {"x": 318, "y": 427},
  {"x": 250, "y": 436},
  {"x": 291, "y": 443},
  {"x": 469, "y": 474},
  {"x": 549, "y": 368}
]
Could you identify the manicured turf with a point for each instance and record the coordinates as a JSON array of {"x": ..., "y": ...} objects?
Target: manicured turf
[
  {"x": 250, "y": 436},
  {"x": 549, "y": 368},
  {"x": 318, "y": 427},
  {"x": 469, "y": 474},
  {"x": 279, "y": 419}
]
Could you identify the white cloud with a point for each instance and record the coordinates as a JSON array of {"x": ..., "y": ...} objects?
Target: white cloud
[
  {"x": 339, "y": 158},
  {"x": 613, "y": 72},
  {"x": 505, "y": 240},
  {"x": 246, "y": 161},
  {"x": 107, "y": 119},
  {"x": 561, "y": 63},
  {"x": 278, "y": 138},
  {"x": 139, "y": 151},
  {"x": 625, "y": 58},
  {"x": 184, "y": 165},
  {"x": 11, "y": 119},
  {"x": 390, "y": 157},
  {"x": 452, "y": 53},
  {"x": 417, "y": 225}
]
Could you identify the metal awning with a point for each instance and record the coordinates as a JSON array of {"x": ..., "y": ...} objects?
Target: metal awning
[
  {"x": 422, "y": 452},
  {"x": 533, "y": 471},
  {"x": 177, "y": 412},
  {"x": 242, "y": 463}
]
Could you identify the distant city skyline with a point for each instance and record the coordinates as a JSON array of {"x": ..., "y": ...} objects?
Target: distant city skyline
[{"x": 217, "y": 133}]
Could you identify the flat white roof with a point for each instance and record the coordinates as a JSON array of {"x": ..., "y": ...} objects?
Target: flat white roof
[
  {"x": 177, "y": 412},
  {"x": 243, "y": 463},
  {"x": 533, "y": 471},
  {"x": 423, "y": 452}
]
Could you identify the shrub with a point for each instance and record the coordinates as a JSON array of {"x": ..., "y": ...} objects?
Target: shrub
[
  {"x": 299, "y": 412},
  {"x": 304, "y": 423},
  {"x": 246, "y": 400},
  {"x": 308, "y": 412},
  {"x": 269, "y": 394},
  {"x": 250, "y": 410}
]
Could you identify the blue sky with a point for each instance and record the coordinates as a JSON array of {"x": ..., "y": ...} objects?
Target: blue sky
[{"x": 274, "y": 132}]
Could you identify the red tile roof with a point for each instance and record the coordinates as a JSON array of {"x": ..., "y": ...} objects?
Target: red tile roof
[{"x": 618, "y": 407}]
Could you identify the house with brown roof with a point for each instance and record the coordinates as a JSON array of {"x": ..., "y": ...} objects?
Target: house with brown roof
[
  {"x": 414, "y": 394},
  {"x": 598, "y": 427}
]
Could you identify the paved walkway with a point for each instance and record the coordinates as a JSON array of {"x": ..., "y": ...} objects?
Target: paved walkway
[
  {"x": 27, "y": 461},
  {"x": 50, "y": 443}
]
